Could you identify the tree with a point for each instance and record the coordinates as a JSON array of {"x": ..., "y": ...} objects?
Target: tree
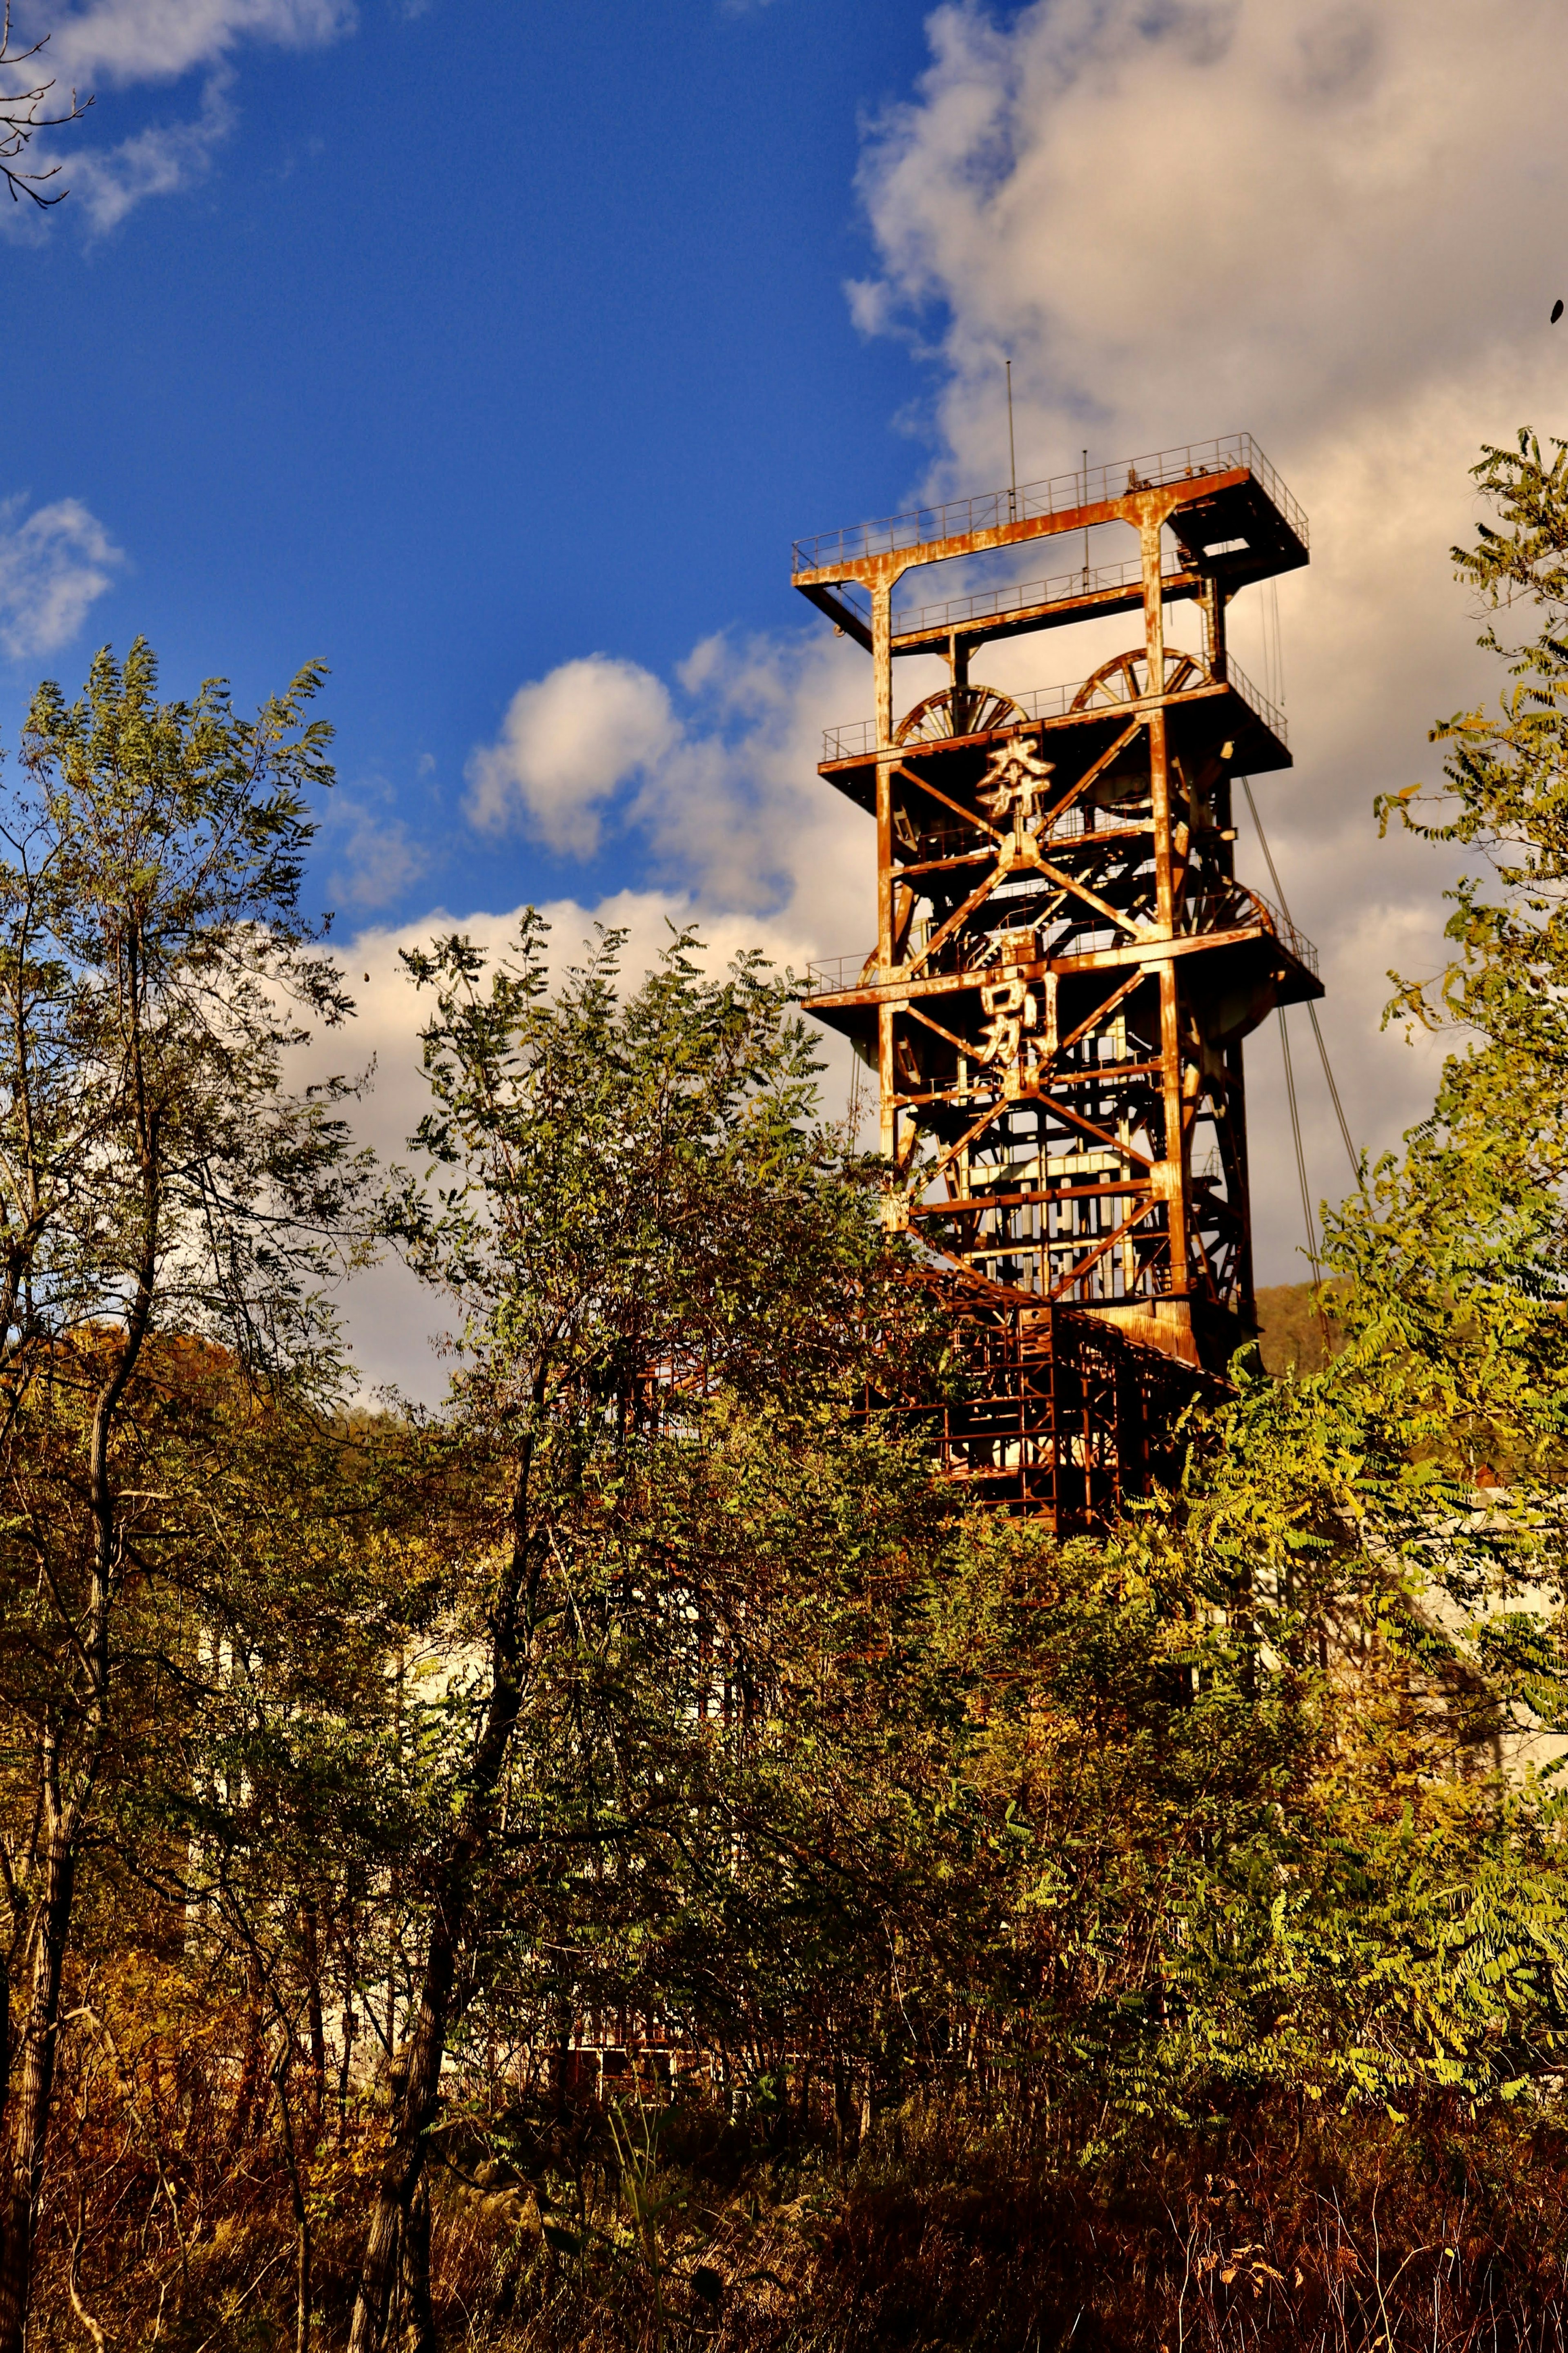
[
  {"x": 1503, "y": 1097},
  {"x": 23, "y": 114},
  {"x": 156, "y": 1178},
  {"x": 634, "y": 1213}
]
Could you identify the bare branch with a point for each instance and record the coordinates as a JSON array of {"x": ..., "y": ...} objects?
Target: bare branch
[{"x": 22, "y": 114}]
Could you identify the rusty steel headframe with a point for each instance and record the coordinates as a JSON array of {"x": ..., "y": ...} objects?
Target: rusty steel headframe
[{"x": 1065, "y": 963}]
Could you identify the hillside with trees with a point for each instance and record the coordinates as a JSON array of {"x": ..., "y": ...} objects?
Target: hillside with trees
[{"x": 631, "y": 1859}]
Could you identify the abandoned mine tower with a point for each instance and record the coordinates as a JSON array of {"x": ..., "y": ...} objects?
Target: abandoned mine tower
[{"x": 1066, "y": 965}]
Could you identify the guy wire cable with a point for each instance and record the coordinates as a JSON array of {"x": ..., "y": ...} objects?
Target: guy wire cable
[
  {"x": 1300, "y": 1156},
  {"x": 1351, "y": 1153}
]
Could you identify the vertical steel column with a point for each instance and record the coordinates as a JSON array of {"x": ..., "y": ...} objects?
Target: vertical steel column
[
  {"x": 885, "y": 764},
  {"x": 1170, "y": 1176},
  {"x": 1240, "y": 1184},
  {"x": 882, "y": 654}
]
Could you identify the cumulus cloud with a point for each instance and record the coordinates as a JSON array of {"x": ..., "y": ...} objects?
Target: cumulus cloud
[
  {"x": 1269, "y": 214},
  {"x": 1266, "y": 200},
  {"x": 54, "y": 564},
  {"x": 718, "y": 779},
  {"x": 567, "y": 743}
]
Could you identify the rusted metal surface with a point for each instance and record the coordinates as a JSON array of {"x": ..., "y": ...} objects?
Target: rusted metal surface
[
  {"x": 1066, "y": 963},
  {"x": 1057, "y": 1413}
]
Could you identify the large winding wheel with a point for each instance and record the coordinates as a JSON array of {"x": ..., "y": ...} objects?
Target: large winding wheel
[
  {"x": 1125, "y": 678},
  {"x": 959, "y": 711}
]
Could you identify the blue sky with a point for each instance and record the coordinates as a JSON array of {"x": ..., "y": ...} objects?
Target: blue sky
[
  {"x": 491, "y": 335},
  {"x": 494, "y": 352}
]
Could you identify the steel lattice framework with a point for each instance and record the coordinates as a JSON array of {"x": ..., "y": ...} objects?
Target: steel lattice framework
[{"x": 1066, "y": 965}]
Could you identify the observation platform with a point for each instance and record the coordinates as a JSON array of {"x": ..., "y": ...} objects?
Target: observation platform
[
  {"x": 1254, "y": 726},
  {"x": 1238, "y": 949},
  {"x": 1232, "y": 519}
]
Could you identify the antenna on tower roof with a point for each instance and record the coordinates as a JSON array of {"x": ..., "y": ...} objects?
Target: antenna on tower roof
[{"x": 1012, "y": 452}]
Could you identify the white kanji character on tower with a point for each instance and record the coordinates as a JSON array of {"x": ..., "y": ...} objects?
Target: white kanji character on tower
[
  {"x": 1013, "y": 788},
  {"x": 1012, "y": 1009}
]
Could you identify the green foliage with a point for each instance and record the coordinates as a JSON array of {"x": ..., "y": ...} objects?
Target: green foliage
[
  {"x": 1499, "y": 1121},
  {"x": 158, "y": 1190},
  {"x": 639, "y": 1204}
]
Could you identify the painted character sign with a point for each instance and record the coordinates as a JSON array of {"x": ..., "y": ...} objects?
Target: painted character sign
[
  {"x": 1015, "y": 787},
  {"x": 1013, "y": 1008}
]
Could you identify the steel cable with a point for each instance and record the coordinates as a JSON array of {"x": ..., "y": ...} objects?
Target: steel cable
[
  {"x": 1351, "y": 1153},
  {"x": 1301, "y": 1155}
]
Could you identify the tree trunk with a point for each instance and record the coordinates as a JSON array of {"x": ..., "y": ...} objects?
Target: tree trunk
[
  {"x": 414, "y": 2112},
  {"x": 22, "y": 2163},
  {"x": 22, "y": 2167},
  {"x": 247, "y": 2102},
  {"x": 309, "y": 1940},
  {"x": 419, "y": 2335},
  {"x": 350, "y": 2021},
  {"x": 4, "y": 2031},
  {"x": 302, "y": 2247},
  {"x": 414, "y": 2108}
]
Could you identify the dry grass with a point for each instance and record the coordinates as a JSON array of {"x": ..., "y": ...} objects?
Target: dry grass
[
  {"x": 1278, "y": 2232},
  {"x": 957, "y": 2224}
]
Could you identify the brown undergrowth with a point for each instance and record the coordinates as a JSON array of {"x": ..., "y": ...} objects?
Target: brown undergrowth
[
  {"x": 1275, "y": 2229},
  {"x": 627, "y": 2227}
]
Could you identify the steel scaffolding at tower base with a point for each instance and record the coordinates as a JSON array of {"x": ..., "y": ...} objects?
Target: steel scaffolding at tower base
[{"x": 1057, "y": 1414}]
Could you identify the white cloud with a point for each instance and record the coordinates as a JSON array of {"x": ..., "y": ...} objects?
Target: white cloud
[
  {"x": 1279, "y": 215},
  {"x": 156, "y": 162},
  {"x": 724, "y": 791},
  {"x": 107, "y": 45},
  {"x": 54, "y": 564},
  {"x": 567, "y": 743},
  {"x": 371, "y": 857},
  {"x": 1160, "y": 211}
]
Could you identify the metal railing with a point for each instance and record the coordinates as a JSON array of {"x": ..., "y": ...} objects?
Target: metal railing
[
  {"x": 1058, "y": 494},
  {"x": 1235, "y": 906},
  {"x": 826, "y": 975},
  {"x": 1238, "y": 906},
  {"x": 1256, "y": 701},
  {"x": 992, "y": 604},
  {"x": 856, "y": 737},
  {"x": 857, "y": 740}
]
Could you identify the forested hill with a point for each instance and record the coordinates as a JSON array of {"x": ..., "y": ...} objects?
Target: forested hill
[{"x": 1295, "y": 1326}]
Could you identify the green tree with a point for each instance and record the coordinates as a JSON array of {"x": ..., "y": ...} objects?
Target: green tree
[
  {"x": 634, "y": 1212},
  {"x": 1499, "y": 1132},
  {"x": 155, "y": 1177}
]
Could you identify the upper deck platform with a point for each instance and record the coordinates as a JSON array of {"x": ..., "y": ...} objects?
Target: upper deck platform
[
  {"x": 1231, "y": 517},
  {"x": 1256, "y": 730},
  {"x": 1081, "y": 595}
]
